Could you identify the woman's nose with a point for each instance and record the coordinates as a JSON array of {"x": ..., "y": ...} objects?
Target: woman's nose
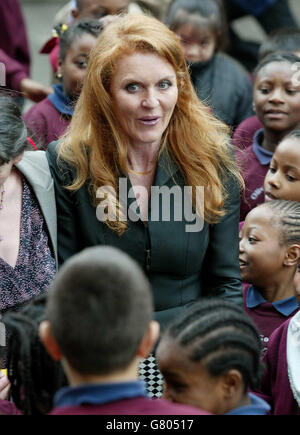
[{"x": 150, "y": 100}]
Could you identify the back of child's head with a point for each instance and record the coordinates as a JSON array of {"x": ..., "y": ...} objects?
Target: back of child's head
[
  {"x": 99, "y": 308},
  {"x": 200, "y": 14},
  {"x": 68, "y": 34},
  {"x": 218, "y": 335},
  {"x": 34, "y": 376},
  {"x": 286, "y": 39},
  {"x": 13, "y": 131},
  {"x": 275, "y": 57}
]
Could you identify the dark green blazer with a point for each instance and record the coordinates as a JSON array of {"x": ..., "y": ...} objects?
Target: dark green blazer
[{"x": 181, "y": 266}]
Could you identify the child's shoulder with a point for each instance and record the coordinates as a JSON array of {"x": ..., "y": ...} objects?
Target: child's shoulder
[
  {"x": 229, "y": 62},
  {"x": 42, "y": 108}
]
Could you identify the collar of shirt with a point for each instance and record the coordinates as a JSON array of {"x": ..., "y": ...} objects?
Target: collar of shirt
[
  {"x": 264, "y": 156},
  {"x": 61, "y": 101},
  {"x": 97, "y": 394},
  {"x": 285, "y": 306},
  {"x": 258, "y": 406}
]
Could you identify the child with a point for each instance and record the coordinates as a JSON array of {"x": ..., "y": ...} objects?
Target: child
[
  {"x": 200, "y": 26},
  {"x": 277, "y": 105},
  {"x": 49, "y": 119},
  {"x": 269, "y": 254},
  {"x": 100, "y": 325},
  {"x": 282, "y": 40},
  {"x": 283, "y": 177},
  {"x": 210, "y": 357},
  {"x": 34, "y": 377},
  {"x": 280, "y": 385}
]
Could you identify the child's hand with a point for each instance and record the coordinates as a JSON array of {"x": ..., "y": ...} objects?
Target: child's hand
[
  {"x": 4, "y": 387},
  {"x": 35, "y": 91}
]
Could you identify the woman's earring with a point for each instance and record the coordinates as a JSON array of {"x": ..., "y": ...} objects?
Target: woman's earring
[{"x": 59, "y": 76}]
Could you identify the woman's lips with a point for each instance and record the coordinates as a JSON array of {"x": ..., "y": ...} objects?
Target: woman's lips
[{"x": 149, "y": 120}]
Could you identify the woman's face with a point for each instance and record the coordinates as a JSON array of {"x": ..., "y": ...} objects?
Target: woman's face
[
  {"x": 261, "y": 254},
  {"x": 283, "y": 177},
  {"x": 144, "y": 94},
  {"x": 73, "y": 68},
  {"x": 277, "y": 97}
]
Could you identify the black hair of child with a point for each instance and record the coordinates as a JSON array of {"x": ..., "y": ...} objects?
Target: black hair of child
[
  {"x": 286, "y": 39},
  {"x": 276, "y": 57},
  {"x": 34, "y": 376},
  {"x": 183, "y": 12},
  {"x": 75, "y": 31},
  {"x": 13, "y": 131},
  {"x": 220, "y": 335},
  {"x": 99, "y": 307},
  {"x": 286, "y": 217}
]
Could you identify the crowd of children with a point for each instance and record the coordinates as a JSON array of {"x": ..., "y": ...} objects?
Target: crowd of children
[{"x": 76, "y": 349}]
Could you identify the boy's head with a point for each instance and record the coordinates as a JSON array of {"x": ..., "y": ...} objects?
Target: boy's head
[
  {"x": 286, "y": 39},
  {"x": 210, "y": 356},
  {"x": 99, "y": 8},
  {"x": 201, "y": 27},
  {"x": 99, "y": 311}
]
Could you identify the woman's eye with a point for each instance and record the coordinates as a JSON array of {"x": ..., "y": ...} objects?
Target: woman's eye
[
  {"x": 132, "y": 87},
  {"x": 165, "y": 84},
  {"x": 272, "y": 170},
  {"x": 251, "y": 240},
  {"x": 264, "y": 90}
]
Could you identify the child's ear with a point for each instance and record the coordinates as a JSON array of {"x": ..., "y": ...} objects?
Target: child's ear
[
  {"x": 232, "y": 384},
  {"x": 292, "y": 255},
  {"x": 149, "y": 340},
  {"x": 48, "y": 340},
  {"x": 59, "y": 72}
]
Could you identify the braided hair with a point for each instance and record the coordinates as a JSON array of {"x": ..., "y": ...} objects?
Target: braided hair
[
  {"x": 220, "y": 335},
  {"x": 76, "y": 30},
  {"x": 287, "y": 218},
  {"x": 33, "y": 375}
]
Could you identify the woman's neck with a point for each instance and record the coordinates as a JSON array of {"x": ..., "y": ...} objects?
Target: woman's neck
[{"x": 142, "y": 158}]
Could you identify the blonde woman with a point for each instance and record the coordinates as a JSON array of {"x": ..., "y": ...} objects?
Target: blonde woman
[{"x": 139, "y": 143}]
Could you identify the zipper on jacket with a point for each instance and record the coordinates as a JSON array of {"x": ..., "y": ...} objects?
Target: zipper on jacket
[{"x": 148, "y": 250}]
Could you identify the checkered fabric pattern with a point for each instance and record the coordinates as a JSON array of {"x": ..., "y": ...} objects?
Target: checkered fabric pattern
[{"x": 149, "y": 373}]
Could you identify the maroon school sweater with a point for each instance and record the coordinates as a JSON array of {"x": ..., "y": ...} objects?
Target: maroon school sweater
[
  {"x": 46, "y": 123},
  {"x": 265, "y": 316},
  {"x": 14, "y": 49},
  {"x": 254, "y": 173},
  {"x": 243, "y": 135},
  {"x": 275, "y": 388},
  {"x": 135, "y": 406}
]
